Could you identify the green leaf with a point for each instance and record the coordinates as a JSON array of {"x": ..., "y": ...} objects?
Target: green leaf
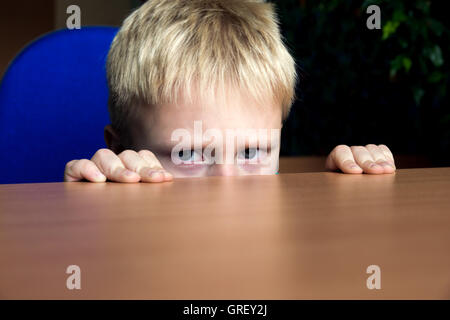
[
  {"x": 406, "y": 63},
  {"x": 396, "y": 65},
  {"x": 435, "y": 77},
  {"x": 400, "y": 61},
  {"x": 399, "y": 16},
  {"x": 436, "y": 27},
  {"x": 389, "y": 28},
  {"x": 435, "y": 56},
  {"x": 423, "y": 6}
]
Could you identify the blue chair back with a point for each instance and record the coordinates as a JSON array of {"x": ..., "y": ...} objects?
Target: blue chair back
[{"x": 53, "y": 104}]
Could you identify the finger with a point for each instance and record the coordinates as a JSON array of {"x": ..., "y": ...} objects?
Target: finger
[
  {"x": 329, "y": 163},
  {"x": 380, "y": 158},
  {"x": 342, "y": 158},
  {"x": 154, "y": 162},
  {"x": 149, "y": 171},
  {"x": 364, "y": 159},
  {"x": 387, "y": 153},
  {"x": 77, "y": 170},
  {"x": 112, "y": 167}
]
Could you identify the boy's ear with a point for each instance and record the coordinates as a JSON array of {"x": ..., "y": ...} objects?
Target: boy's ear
[{"x": 112, "y": 140}]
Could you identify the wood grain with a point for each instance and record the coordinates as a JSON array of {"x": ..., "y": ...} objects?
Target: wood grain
[{"x": 290, "y": 236}]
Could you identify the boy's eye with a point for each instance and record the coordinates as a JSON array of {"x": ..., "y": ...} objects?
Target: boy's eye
[
  {"x": 189, "y": 156},
  {"x": 250, "y": 154}
]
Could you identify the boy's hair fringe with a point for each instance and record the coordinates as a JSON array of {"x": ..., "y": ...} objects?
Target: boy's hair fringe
[{"x": 169, "y": 47}]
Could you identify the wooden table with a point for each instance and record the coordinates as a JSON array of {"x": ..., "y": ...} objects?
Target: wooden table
[{"x": 290, "y": 236}]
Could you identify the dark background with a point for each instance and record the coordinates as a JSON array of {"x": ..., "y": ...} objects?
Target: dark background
[{"x": 360, "y": 86}]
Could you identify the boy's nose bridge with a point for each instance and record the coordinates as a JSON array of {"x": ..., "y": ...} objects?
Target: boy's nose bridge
[{"x": 223, "y": 170}]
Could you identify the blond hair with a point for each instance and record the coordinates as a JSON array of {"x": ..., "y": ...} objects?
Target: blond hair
[{"x": 167, "y": 47}]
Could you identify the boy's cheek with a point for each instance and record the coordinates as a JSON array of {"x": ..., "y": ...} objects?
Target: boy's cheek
[{"x": 183, "y": 171}]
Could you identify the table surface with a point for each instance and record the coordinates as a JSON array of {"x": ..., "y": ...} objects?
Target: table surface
[{"x": 289, "y": 236}]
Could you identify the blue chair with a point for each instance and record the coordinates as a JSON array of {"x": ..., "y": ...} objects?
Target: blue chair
[{"x": 53, "y": 104}]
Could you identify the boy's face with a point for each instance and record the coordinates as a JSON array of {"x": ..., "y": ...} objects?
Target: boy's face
[{"x": 205, "y": 137}]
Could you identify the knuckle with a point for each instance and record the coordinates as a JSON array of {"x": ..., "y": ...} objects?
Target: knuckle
[
  {"x": 84, "y": 163},
  {"x": 104, "y": 159},
  {"x": 358, "y": 148},
  {"x": 127, "y": 154},
  {"x": 70, "y": 164},
  {"x": 371, "y": 145},
  {"x": 101, "y": 153},
  {"x": 341, "y": 148},
  {"x": 146, "y": 153}
]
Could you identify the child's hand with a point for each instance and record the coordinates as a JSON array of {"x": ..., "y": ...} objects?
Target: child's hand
[
  {"x": 128, "y": 166},
  {"x": 369, "y": 159}
]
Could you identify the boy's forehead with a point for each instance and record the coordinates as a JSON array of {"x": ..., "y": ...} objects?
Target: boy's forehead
[{"x": 234, "y": 111}]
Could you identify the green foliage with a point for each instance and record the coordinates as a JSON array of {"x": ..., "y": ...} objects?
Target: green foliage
[
  {"x": 418, "y": 40},
  {"x": 412, "y": 38},
  {"x": 341, "y": 58}
]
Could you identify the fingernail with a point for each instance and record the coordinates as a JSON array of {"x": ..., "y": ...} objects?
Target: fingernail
[
  {"x": 129, "y": 172},
  {"x": 98, "y": 174},
  {"x": 373, "y": 165},
  {"x": 155, "y": 174},
  {"x": 168, "y": 174},
  {"x": 353, "y": 166}
]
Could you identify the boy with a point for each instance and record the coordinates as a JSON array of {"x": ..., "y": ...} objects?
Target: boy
[{"x": 177, "y": 68}]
